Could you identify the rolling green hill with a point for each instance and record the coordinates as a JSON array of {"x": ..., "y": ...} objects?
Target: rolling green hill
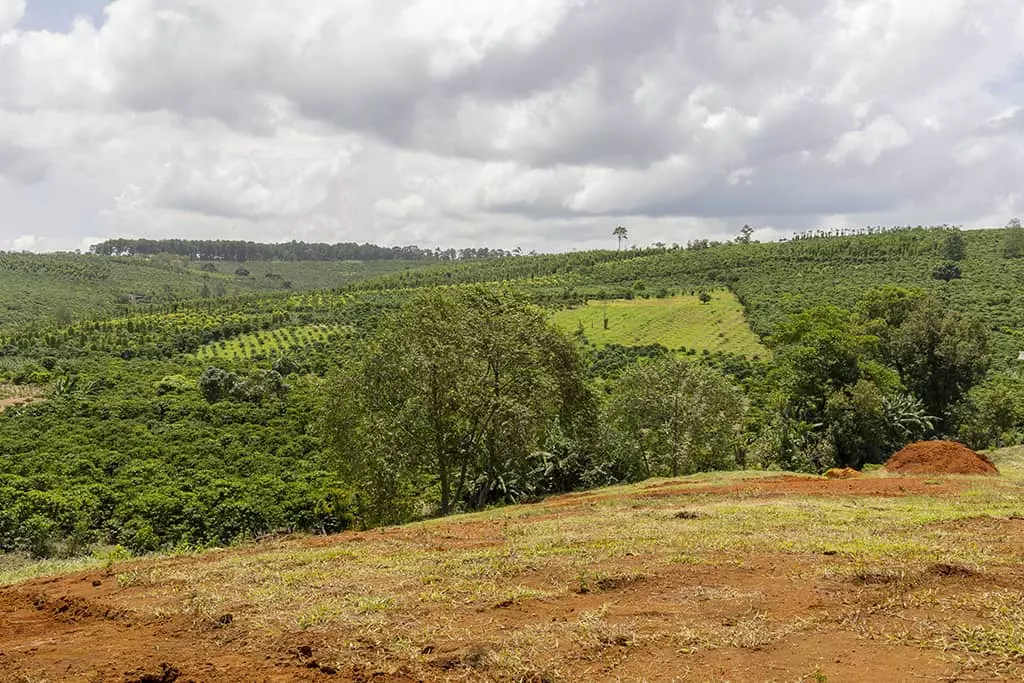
[
  {"x": 183, "y": 400},
  {"x": 59, "y": 288},
  {"x": 774, "y": 280}
]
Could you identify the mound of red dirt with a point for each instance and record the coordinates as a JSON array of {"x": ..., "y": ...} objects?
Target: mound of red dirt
[
  {"x": 939, "y": 457},
  {"x": 844, "y": 473}
]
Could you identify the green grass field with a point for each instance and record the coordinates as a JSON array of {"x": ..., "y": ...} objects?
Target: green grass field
[
  {"x": 676, "y": 323},
  {"x": 268, "y": 344}
]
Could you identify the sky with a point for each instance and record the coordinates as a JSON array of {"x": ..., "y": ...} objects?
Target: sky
[{"x": 539, "y": 124}]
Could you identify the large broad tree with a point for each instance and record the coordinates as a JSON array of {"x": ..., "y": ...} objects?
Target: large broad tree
[
  {"x": 992, "y": 411},
  {"x": 939, "y": 353},
  {"x": 682, "y": 417},
  {"x": 447, "y": 406},
  {"x": 832, "y": 388}
]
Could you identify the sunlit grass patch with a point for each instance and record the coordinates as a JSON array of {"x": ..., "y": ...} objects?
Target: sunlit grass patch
[
  {"x": 966, "y": 626},
  {"x": 752, "y": 632},
  {"x": 679, "y": 322},
  {"x": 17, "y": 568}
]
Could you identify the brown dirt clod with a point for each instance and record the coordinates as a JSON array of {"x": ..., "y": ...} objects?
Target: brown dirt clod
[
  {"x": 166, "y": 673},
  {"x": 940, "y": 457},
  {"x": 842, "y": 473}
]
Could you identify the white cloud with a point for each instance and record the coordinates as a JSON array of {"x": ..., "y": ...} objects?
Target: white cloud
[
  {"x": 11, "y": 12},
  {"x": 869, "y": 144},
  {"x": 537, "y": 124},
  {"x": 24, "y": 242}
]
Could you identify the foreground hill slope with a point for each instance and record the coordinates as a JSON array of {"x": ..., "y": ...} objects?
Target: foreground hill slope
[{"x": 714, "y": 577}]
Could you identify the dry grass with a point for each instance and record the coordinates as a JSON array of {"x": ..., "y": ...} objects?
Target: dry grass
[{"x": 550, "y": 591}]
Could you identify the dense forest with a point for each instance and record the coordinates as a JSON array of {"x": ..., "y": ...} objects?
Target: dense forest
[{"x": 201, "y": 415}]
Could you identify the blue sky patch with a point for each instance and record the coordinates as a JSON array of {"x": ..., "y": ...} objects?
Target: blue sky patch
[{"x": 58, "y": 15}]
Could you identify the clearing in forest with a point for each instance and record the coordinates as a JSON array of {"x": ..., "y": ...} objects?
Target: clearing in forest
[
  {"x": 679, "y": 322},
  {"x": 13, "y": 395}
]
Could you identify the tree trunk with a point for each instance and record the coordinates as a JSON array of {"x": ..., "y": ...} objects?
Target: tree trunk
[{"x": 445, "y": 500}]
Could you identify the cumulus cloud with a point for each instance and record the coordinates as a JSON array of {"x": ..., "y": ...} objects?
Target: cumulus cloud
[
  {"x": 11, "y": 12},
  {"x": 540, "y": 124},
  {"x": 24, "y": 242}
]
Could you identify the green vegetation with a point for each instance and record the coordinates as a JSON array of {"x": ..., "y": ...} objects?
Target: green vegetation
[
  {"x": 221, "y": 405},
  {"x": 678, "y": 322},
  {"x": 466, "y": 393},
  {"x": 271, "y": 344},
  {"x": 236, "y": 250},
  {"x": 679, "y": 417},
  {"x": 56, "y": 289}
]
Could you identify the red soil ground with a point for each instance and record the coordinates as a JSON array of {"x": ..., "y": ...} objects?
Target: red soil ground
[
  {"x": 17, "y": 401},
  {"x": 940, "y": 457},
  {"x": 86, "y": 627}
]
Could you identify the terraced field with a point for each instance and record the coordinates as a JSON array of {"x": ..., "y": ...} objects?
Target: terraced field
[
  {"x": 269, "y": 343},
  {"x": 680, "y": 322}
]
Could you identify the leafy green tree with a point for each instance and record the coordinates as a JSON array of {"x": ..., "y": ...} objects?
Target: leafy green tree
[
  {"x": 216, "y": 384},
  {"x": 174, "y": 384},
  {"x": 831, "y": 385},
  {"x": 887, "y": 308},
  {"x": 261, "y": 385},
  {"x": 682, "y": 417},
  {"x": 285, "y": 365},
  {"x": 745, "y": 235},
  {"x": 857, "y": 426},
  {"x": 953, "y": 247},
  {"x": 453, "y": 396},
  {"x": 1013, "y": 239},
  {"x": 991, "y": 412},
  {"x": 827, "y": 349},
  {"x": 947, "y": 272},
  {"x": 939, "y": 353}
]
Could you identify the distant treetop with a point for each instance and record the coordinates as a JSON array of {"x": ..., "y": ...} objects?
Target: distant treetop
[{"x": 236, "y": 250}]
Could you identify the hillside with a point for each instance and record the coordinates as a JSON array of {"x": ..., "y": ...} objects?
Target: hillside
[
  {"x": 773, "y": 280},
  {"x": 389, "y": 393},
  {"x": 58, "y": 288},
  {"x": 713, "y": 577},
  {"x": 203, "y": 421}
]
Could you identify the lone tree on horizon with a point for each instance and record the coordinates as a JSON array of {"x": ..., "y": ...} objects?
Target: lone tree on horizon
[{"x": 622, "y": 233}]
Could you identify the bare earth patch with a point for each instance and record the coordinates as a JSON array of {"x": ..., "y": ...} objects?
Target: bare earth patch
[
  {"x": 12, "y": 396},
  {"x": 731, "y": 577}
]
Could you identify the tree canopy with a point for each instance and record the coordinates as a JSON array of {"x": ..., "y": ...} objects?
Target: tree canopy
[{"x": 456, "y": 397}]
